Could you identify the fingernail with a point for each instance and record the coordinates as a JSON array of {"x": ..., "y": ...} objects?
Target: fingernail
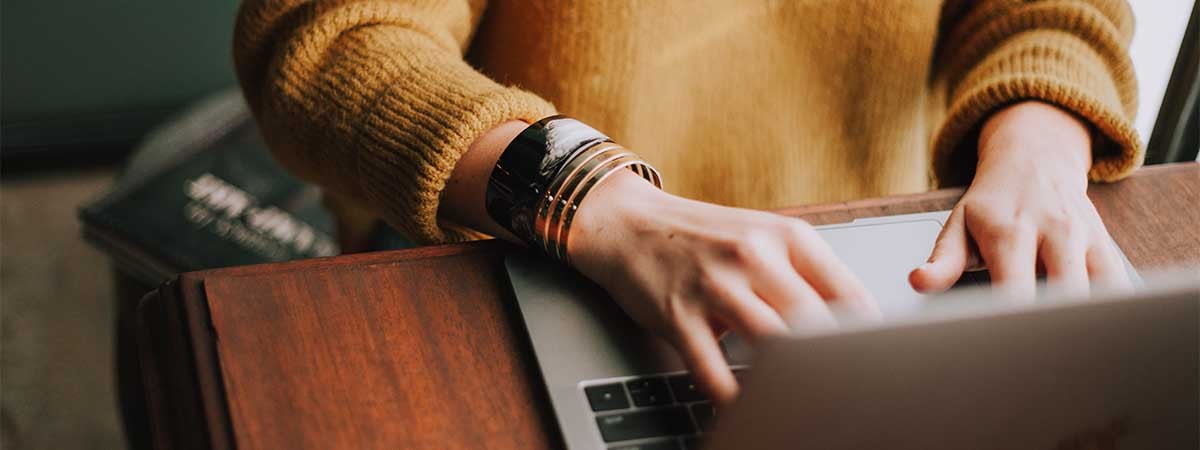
[{"x": 924, "y": 266}]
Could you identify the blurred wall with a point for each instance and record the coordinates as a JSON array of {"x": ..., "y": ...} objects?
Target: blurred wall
[{"x": 66, "y": 59}]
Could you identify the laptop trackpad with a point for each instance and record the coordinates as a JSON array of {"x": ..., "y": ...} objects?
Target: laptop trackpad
[{"x": 881, "y": 255}]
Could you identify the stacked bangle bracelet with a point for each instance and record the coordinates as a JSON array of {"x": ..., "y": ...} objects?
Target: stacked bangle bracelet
[{"x": 544, "y": 175}]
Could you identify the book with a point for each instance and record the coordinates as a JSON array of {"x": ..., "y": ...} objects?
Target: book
[{"x": 203, "y": 192}]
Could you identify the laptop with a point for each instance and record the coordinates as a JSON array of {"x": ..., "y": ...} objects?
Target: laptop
[
  {"x": 1116, "y": 371},
  {"x": 614, "y": 385}
]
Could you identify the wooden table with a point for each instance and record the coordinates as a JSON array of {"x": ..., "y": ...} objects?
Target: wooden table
[{"x": 424, "y": 348}]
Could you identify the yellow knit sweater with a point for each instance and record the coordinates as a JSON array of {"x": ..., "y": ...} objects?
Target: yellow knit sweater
[{"x": 753, "y": 103}]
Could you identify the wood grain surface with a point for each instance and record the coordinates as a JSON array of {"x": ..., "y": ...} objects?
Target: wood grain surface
[
  {"x": 423, "y": 353},
  {"x": 424, "y": 348}
]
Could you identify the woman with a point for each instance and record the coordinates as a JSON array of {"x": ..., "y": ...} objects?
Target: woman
[{"x": 409, "y": 108}]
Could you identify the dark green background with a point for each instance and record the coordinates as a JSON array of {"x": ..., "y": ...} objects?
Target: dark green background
[{"x": 63, "y": 59}]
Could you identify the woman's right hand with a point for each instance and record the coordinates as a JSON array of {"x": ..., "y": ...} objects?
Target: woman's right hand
[
  {"x": 689, "y": 270},
  {"x": 686, "y": 270}
]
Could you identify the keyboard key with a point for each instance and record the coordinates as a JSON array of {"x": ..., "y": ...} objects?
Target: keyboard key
[
  {"x": 649, "y": 392},
  {"x": 685, "y": 389},
  {"x": 663, "y": 445},
  {"x": 606, "y": 397},
  {"x": 705, "y": 414},
  {"x": 645, "y": 424}
]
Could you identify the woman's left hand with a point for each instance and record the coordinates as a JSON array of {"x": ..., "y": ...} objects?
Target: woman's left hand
[{"x": 1027, "y": 210}]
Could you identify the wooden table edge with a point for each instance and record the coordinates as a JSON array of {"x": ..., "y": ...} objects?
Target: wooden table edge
[{"x": 176, "y": 315}]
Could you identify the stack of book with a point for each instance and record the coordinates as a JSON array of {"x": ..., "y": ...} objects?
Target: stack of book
[{"x": 202, "y": 192}]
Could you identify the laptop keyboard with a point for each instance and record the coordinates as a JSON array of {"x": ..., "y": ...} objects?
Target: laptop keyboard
[{"x": 656, "y": 412}]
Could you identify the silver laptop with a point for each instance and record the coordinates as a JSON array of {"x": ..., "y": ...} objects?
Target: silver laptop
[
  {"x": 614, "y": 385},
  {"x": 1117, "y": 371}
]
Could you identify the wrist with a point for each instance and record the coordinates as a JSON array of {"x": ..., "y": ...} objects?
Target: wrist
[
  {"x": 545, "y": 174},
  {"x": 1037, "y": 136},
  {"x": 604, "y": 217}
]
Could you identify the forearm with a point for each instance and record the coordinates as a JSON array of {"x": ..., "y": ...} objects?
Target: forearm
[{"x": 373, "y": 100}]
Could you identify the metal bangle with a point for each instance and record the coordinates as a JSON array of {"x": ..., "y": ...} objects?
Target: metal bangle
[
  {"x": 570, "y": 193},
  {"x": 530, "y": 162},
  {"x": 545, "y": 173},
  {"x": 595, "y": 178},
  {"x": 554, "y": 194}
]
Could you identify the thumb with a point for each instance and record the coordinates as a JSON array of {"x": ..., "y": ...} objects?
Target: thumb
[{"x": 948, "y": 260}]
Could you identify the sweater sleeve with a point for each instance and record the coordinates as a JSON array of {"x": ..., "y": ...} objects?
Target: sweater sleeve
[
  {"x": 1070, "y": 53},
  {"x": 372, "y": 99}
]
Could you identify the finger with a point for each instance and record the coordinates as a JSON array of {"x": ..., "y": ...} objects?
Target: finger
[
  {"x": 818, "y": 267},
  {"x": 951, "y": 256},
  {"x": 702, "y": 355},
  {"x": 1011, "y": 258},
  {"x": 1065, "y": 260},
  {"x": 750, "y": 316},
  {"x": 735, "y": 305},
  {"x": 1106, "y": 267},
  {"x": 800, "y": 306}
]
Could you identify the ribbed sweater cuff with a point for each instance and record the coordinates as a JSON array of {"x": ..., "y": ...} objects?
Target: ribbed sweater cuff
[
  {"x": 417, "y": 140},
  {"x": 1055, "y": 67}
]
